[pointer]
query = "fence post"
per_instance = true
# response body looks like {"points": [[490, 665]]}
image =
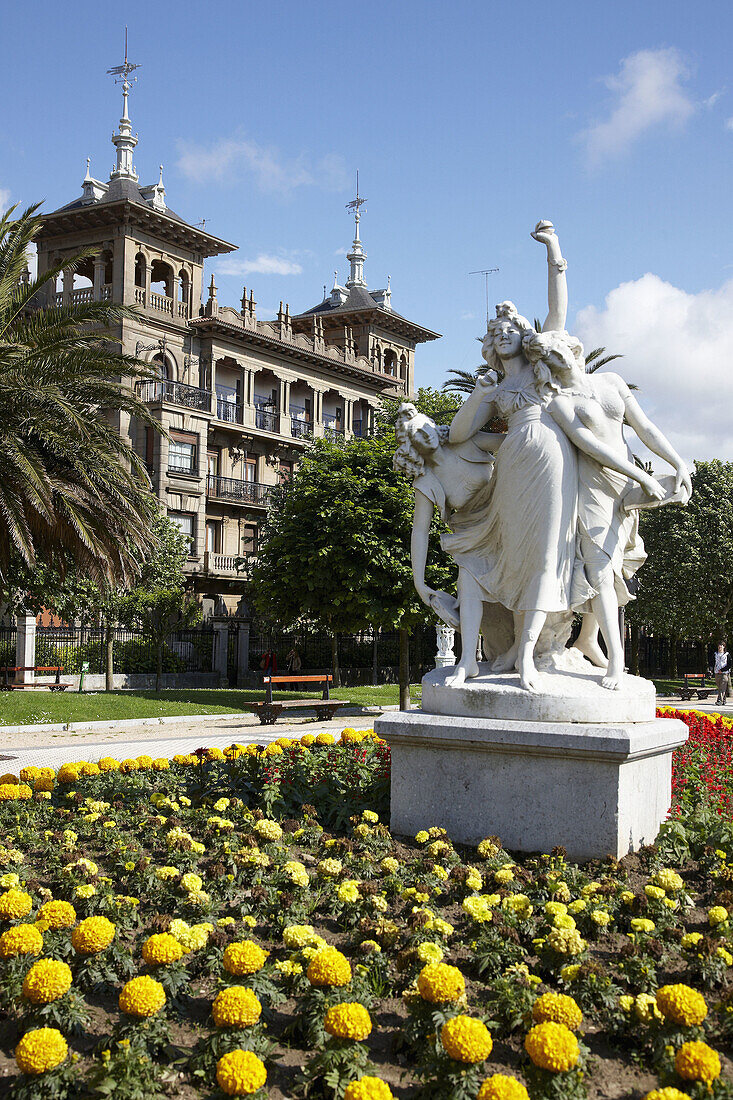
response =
{"points": [[25, 648], [221, 647], [243, 653]]}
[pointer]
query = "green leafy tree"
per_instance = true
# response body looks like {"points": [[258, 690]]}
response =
{"points": [[686, 585], [159, 604], [336, 546], [70, 487]]}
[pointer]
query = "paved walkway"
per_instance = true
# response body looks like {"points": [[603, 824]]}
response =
{"points": [[180, 737], [705, 705]]}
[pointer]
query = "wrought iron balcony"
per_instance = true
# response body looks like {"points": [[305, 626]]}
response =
{"points": [[243, 492], [175, 393], [229, 411], [301, 429], [266, 421]]}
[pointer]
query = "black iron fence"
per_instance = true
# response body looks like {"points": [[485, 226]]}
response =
{"points": [[132, 650]]}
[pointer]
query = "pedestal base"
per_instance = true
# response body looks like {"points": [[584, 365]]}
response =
{"points": [[594, 789]]}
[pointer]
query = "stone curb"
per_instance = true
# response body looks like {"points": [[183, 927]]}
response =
{"points": [[168, 719]]}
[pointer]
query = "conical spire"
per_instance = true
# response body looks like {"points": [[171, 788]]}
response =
{"points": [[124, 140], [357, 256]]}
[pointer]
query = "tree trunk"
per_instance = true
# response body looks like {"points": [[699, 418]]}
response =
{"points": [[634, 663], [375, 657], [109, 651], [158, 665], [673, 656], [404, 669], [335, 660]]}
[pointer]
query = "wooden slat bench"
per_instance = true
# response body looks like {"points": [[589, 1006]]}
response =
{"points": [[269, 710], [6, 684], [694, 684]]}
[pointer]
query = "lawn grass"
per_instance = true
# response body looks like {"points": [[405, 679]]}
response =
{"points": [[45, 707]]}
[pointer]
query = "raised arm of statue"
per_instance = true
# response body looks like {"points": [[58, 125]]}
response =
{"points": [[557, 287], [475, 411]]}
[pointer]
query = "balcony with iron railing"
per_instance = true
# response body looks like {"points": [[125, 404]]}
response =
{"points": [[266, 419], [175, 393], [240, 492]]}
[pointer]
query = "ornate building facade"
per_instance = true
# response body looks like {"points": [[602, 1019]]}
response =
{"points": [[240, 398]]}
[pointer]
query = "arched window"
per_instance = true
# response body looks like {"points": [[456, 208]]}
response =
{"points": [[164, 366], [403, 366], [183, 286], [161, 278], [140, 266], [107, 256], [390, 362], [84, 275]]}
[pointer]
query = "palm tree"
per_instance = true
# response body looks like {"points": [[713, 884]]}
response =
{"points": [[70, 486]]}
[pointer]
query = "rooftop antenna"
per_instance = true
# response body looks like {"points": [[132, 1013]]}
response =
{"points": [[123, 71], [486, 272]]}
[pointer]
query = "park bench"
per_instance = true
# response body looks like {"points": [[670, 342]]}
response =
{"points": [[7, 685], [269, 710], [694, 684]]}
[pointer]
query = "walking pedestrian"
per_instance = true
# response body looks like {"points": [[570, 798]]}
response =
{"points": [[721, 669]]}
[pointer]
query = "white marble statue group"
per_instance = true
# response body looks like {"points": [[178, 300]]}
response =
{"points": [[543, 517]]}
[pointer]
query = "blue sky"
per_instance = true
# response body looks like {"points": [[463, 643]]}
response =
{"points": [[468, 122]]}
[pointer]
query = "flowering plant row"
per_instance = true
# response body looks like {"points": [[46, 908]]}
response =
{"points": [[242, 923]]}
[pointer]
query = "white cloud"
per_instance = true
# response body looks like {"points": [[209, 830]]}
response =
{"points": [[468, 316], [647, 92], [230, 159], [4, 198], [729, 124], [32, 257], [678, 348], [264, 265]]}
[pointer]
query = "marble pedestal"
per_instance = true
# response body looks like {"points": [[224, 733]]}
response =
{"points": [[596, 788]]}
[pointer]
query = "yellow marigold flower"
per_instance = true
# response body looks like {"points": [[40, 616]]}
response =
{"points": [[570, 972], [502, 1087], [41, 1050], [329, 967], [566, 941], [21, 939], [668, 880], [236, 1007], [68, 773], [552, 1047], [15, 904], [297, 936], [307, 740], [93, 935], [559, 1008], [273, 750], [429, 952], [681, 1004], [160, 764], [244, 957], [329, 867], [690, 940], [697, 1061], [88, 768], [296, 872], [268, 830], [108, 764], [645, 1008], [487, 849], [466, 1040], [368, 1088], [348, 892], [161, 949], [440, 983], [325, 739], [348, 1020], [503, 875], [717, 915], [642, 924], [14, 792], [656, 893], [44, 784], [191, 882], [129, 765], [46, 981], [142, 997], [670, 1093], [240, 1072]]}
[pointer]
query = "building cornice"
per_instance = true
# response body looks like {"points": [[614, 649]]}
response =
{"points": [[125, 212], [213, 326]]}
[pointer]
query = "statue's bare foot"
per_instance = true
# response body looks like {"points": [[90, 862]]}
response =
{"points": [[613, 680], [528, 675], [592, 651], [505, 661], [462, 673]]}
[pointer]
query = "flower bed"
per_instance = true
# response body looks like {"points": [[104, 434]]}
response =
{"points": [[242, 923]]}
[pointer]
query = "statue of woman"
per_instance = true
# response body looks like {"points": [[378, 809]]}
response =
{"points": [[455, 479], [591, 409], [528, 538]]}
